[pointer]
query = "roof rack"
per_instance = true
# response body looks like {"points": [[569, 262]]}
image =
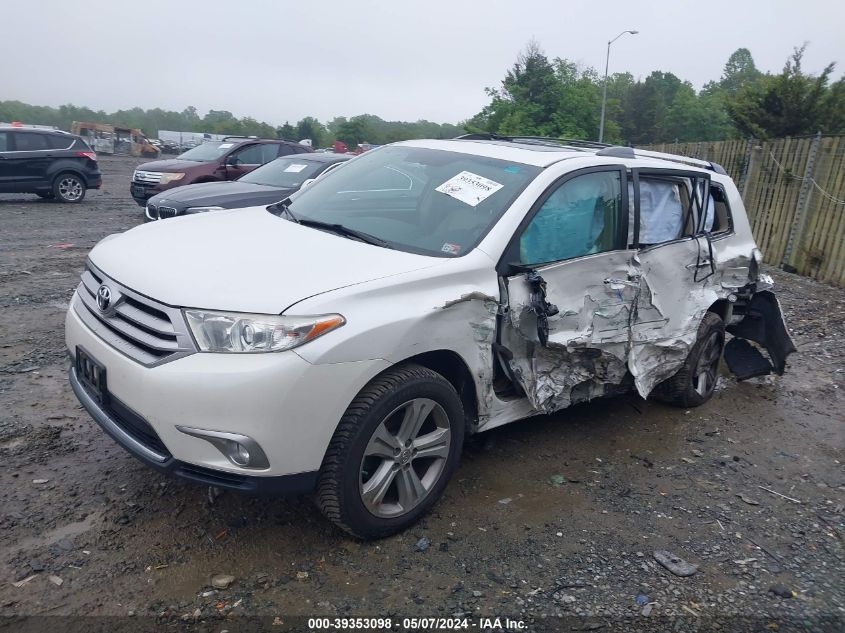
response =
{"points": [[548, 141], [605, 149]]}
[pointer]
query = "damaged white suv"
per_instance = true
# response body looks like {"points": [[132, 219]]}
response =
{"points": [[346, 341]]}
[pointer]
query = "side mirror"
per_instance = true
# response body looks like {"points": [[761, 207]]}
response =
{"points": [[307, 182], [233, 161]]}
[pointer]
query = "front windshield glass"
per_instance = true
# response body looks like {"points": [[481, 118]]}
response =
{"points": [[206, 152], [288, 172], [427, 201]]}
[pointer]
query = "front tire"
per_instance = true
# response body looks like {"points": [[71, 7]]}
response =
{"points": [[69, 188], [393, 453], [695, 382]]}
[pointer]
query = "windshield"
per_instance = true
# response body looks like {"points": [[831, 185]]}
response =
{"points": [[425, 201], [288, 173], [206, 151]]}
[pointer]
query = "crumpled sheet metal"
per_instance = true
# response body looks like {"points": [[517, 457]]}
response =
{"points": [[651, 337]]}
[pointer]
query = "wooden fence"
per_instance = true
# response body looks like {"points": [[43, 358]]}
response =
{"points": [[794, 192]]}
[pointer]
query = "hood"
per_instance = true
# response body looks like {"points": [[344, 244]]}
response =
{"points": [[245, 260], [227, 194], [169, 164]]}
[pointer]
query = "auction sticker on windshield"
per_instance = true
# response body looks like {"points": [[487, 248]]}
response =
{"points": [[469, 188], [295, 167]]}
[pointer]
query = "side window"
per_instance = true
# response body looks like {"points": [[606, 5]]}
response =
{"points": [[286, 150], [4, 142], [662, 205], [57, 141], [582, 216], [718, 218], [253, 155], [31, 142]]}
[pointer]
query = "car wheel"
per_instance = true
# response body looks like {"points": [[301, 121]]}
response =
{"points": [[68, 188], [695, 382], [46, 195], [393, 453]]}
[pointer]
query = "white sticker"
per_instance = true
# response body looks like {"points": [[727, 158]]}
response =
{"points": [[225, 145], [469, 188], [295, 167]]}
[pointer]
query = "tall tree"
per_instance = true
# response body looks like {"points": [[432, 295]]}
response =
{"points": [[739, 71], [789, 104]]}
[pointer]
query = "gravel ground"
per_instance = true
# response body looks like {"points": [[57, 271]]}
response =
{"points": [[553, 522]]}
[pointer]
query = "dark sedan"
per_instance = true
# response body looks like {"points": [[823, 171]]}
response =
{"points": [[265, 185]]}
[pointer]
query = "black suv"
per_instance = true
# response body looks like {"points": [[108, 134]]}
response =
{"points": [[49, 163], [213, 161]]}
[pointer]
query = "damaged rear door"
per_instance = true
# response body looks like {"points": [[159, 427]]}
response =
{"points": [[676, 270], [567, 292]]}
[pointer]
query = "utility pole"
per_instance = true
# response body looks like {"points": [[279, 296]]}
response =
{"points": [[604, 91]]}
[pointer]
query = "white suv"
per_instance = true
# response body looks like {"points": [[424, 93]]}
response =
{"points": [[345, 342]]}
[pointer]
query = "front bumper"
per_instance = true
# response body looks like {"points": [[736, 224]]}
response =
{"points": [[113, 424], [287, 405]]}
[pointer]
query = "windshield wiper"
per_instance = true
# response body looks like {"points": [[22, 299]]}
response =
{"points": [[283, 208], [346, 231]]}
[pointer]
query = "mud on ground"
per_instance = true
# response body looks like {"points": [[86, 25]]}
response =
{"points": [[556, 516]]}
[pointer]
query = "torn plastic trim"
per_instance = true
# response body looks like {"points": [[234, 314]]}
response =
{"points": [[762, 323]]}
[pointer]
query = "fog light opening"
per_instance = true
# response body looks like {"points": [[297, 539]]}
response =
{"points": [[240, 450], [238, 453]]}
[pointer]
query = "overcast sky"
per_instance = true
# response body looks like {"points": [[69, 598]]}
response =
{"points": [[277, 60]]}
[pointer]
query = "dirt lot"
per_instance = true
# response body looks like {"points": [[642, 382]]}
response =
{"points": [[557, 517]]}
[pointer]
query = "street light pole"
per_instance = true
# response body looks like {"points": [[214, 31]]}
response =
{"points": [[604, 91]]}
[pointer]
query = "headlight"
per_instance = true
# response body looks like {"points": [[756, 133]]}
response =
{"points": [[248, 333], [202, 209], [168, 178]]}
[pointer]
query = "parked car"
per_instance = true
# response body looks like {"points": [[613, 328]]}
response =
{"points": [[344, 343], [51, 164], [269, 183], [213, 161]]}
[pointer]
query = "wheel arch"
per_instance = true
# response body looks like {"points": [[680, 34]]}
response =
{"points": [[67, 169], [722, 308], [454, 369]]}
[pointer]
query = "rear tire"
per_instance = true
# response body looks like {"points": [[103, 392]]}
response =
{"points": [[69, 188], [393, 453], [695, 382]]}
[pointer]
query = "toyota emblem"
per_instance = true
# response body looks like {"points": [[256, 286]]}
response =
{"points": [[103, 297]]}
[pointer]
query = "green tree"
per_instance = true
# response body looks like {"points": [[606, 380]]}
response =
{"points": [[287, 131], [739, 71], [309, 127], [790, 104]]}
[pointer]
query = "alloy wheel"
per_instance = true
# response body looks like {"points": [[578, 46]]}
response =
{"points": [[707, 368], [405, 458], [70, 189]]}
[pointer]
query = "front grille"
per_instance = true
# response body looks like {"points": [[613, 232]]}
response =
{"points": [[152, 177], [145, 330], [166, 212]]}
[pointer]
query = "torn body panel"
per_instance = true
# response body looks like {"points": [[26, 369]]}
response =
{"points": [[585, 354], [627, 315], [762, 323]]}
